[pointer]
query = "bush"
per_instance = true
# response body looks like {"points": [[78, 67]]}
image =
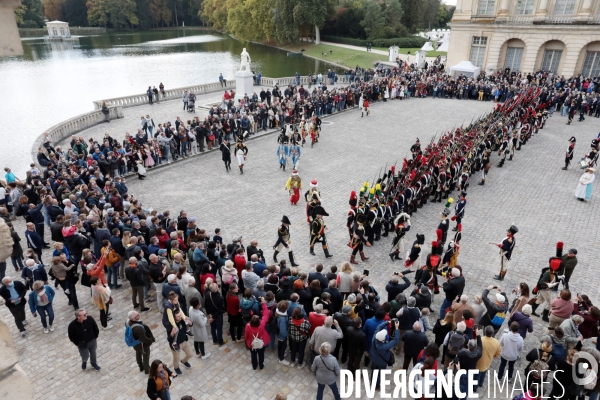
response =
{"points": [[403, 42], [29, 24]]}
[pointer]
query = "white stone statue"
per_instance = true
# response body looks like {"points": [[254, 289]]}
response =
{"points": [[245, 61]]}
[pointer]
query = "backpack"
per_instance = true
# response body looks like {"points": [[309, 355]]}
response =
{"points": [[456, 342], [257, 343], [499, 318], [558, 350], [246, 314], [539, 367], [130, 340]]}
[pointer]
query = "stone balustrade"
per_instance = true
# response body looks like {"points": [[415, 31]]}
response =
{"points": [[73, 125], [177, 93]]}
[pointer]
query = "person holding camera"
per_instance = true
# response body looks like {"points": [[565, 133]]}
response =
{"points": [[381, 348], [496, 311]]}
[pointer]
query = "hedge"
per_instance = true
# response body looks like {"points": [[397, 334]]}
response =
{"points": [[403, 42]]}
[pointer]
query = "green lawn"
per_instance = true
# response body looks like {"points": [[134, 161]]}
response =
{"points": [[338, 55], [403, 50]]}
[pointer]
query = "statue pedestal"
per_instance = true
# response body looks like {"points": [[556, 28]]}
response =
{"points": [[244, 84]]}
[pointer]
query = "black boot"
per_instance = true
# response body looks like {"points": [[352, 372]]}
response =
{"points": [[482, 182], [275, 256], [291, 254], [500, 276], [534, 307], [326, 251], [510, 159], [545, 316], [284, 167], [312, 251], [392, 256], [397, 256]]}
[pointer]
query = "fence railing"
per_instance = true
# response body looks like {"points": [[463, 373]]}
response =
{"points": [[177, 93], [74, 125], [560, 19], [518, 20]]}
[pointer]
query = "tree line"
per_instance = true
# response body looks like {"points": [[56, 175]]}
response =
{"points": [[256, 20]]}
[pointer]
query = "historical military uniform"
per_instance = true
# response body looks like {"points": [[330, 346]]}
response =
{"points": [[293, 186], [414, 255], [352, 212], [451, 255], [442, 229], [282, 153], [506, 248], [294, 153], [317, 231], [284, 241], [371, 225], [485, 165], [503, 151], [513, 145], [358, 239], [401, 226], [569, 154], [415, 149], [459, 210], [427, 275], [549, 278], [313, 199]]}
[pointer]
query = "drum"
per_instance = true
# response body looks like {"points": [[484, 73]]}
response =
{"points": [[584, 163]]}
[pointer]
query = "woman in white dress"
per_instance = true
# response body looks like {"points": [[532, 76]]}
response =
{"points": [[240, 153], [394, 91], [401, 92], [584, 189]]}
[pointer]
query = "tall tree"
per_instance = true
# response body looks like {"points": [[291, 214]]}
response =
{"points": [[412, 17], [30, 13], [75, 12], [97, 12], [431, 10], [122, 13], [143, 14], [161, 14], [374, 21], [286, 30], [53, 9], [313, 12], [250, 19], [214, 13], [393, 16]]}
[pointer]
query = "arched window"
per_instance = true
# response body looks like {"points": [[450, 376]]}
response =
{"points": [[564, 7], [486, 7], [525, 7], [551, 60], [591, 64]]}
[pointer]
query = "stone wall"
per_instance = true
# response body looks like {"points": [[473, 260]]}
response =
{"points": [[14, 383], [73, 125], [39, 32]]}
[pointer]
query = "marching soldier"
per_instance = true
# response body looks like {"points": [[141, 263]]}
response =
{"points": [[451, 255], [506, 249], [549, 278], [486, 165], [317, 231], [358, 239], [569, 154], [513, 145], [372, 221], [503, 151], [463, 185], [459, 210], [313, 199], [293, 186], [295, 153], [442, 229], [441, 185], [428, 274], [241, 151], [415, 149], [282, 154], [414, 257], [284, 241], [402, 225], [352, 212]]}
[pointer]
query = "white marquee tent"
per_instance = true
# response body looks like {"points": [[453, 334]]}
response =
{"points": [[465, 68], [427, 47]]}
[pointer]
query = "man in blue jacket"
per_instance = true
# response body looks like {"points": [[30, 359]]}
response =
{"points": [[34, 241], [370, 328], [35, 212], [380, 352]]}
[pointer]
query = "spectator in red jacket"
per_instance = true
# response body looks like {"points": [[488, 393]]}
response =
{"points": [[316, 318], [236, 323], [162, 237], [255, 333]]}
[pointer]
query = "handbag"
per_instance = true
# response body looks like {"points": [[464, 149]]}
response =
{"points": [[110, 300]]}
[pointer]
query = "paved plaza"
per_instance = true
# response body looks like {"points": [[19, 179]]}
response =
{"points": [[531, 192]]}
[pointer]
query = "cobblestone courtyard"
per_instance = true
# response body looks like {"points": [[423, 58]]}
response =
{"points": [[531, 192]]}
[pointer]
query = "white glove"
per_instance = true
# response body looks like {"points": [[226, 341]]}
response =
{"points": [[561, 277], [551, 285]]}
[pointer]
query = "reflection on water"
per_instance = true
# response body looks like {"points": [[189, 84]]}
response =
{"points": [[54, 81]]}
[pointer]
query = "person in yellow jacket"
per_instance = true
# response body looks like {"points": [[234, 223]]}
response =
{"points": [[293, 186], [112, 264]]}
